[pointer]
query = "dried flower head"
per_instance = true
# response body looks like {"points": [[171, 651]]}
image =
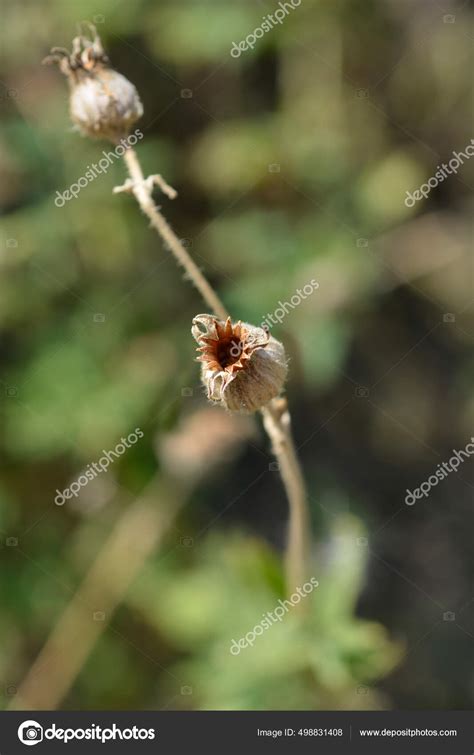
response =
{"points": [[103, 103], [243, 366]]}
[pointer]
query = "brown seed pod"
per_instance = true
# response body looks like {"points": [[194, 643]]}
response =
{"points": [[243, 366], [103, 103]]}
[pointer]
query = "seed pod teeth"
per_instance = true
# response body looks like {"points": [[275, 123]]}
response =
{"points": [[86, 55], [242, 366], [103, 103]]}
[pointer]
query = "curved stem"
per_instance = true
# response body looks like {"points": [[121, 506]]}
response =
{"points": [[276, 416], [277, 422], [142, 191]]}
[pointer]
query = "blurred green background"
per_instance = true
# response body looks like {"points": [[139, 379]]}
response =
{"points": [[292, 163]]}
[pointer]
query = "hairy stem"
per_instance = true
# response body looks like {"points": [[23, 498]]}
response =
{"points": [[277, 422], [142, 190], [276, 416]]}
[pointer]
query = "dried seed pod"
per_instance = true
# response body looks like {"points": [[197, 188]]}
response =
{"points": [[103, 103], [243, 366]]}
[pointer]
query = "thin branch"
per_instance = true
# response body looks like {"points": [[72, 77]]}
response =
{"points": [[276, 415], [277, 422], [86, 617], [142, 189]]}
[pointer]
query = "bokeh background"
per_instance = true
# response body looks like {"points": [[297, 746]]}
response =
{"points": [[292, 162]]}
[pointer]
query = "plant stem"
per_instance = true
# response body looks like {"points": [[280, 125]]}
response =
{"points": [[142, 190], [277, 422], [134, 537], [276, 416]]}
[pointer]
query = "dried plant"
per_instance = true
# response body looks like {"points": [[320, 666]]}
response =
{"points": [[243, 367], [103, 103]]}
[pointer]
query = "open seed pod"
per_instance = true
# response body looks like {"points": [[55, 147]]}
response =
{"points": [[243, 366]]}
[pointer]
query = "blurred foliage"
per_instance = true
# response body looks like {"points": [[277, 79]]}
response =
{"points": [[319, 657], [292, 163]]}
